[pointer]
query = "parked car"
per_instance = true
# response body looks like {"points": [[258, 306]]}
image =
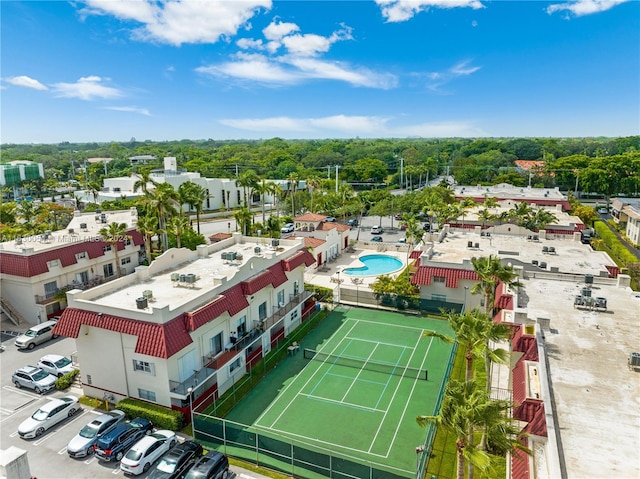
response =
{"points": [[82, 443], [287, 228], [48, 416], [376, 230], [402, 240], [403, 227], [175, 463], [213, 465], [56, 364], [36, 335], [398, 216], [426, 226], [147, 450], [113, 445], [603, 211], [353, 222], [376, 239], [34, 378], [330, 219]]}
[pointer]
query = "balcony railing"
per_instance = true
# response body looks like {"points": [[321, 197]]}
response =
{"points": [[198, 377], [281, 311], [52, 295]]}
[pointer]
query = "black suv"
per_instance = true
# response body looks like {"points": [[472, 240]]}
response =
{"points": [[213, 465], [113, 445], [177, 461]]}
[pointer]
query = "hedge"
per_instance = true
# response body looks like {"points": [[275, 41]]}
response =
{"points": [[65, 381], [161, 417], [614, 244]]}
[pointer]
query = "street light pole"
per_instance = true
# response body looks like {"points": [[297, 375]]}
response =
{"points": [[466, 288], [193, 431]]}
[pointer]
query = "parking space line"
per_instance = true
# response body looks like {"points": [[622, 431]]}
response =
{"points": [[116, 471], [63, 450], [54, 430], [90, 460]]}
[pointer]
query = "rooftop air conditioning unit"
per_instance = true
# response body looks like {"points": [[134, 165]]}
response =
{"points": [[275, 243], [231, 255], [71, 231], [190, 278], [224, 255], [175, 277], [19, 240], [83, 226], [257, 250], [141, 303], [148, 294]]}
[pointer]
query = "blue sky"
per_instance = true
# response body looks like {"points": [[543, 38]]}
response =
{"points": [[164, 70]]}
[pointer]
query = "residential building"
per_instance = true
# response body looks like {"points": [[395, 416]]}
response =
{"points": [[14, 172], [325, 239], [37, 269], [192, 322], [505, 191], [626, 211]]}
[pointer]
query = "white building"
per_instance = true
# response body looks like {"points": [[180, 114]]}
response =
{"points": [[627, 212], [326, 239], [35, 269], [191, 320]]}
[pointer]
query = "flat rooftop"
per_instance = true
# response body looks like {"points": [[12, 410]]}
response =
{"points": [[504, 190], [596, 396], [168, 276], [91, 224], [563, 218], [570, 256]]}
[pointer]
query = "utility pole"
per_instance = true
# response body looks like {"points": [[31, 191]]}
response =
{"points": [[337, 167], [328, 172], [236, 170], [401, 169]]}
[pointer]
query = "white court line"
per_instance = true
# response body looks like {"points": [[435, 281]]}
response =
{"points": [[404, 346], [406, 405], [355, 380], [303, 386], [379, 383], [393, 398], [342, 403], [392, 325]]}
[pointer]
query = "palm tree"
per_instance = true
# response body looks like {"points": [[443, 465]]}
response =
{"points": [[192, 194], [147, 226], [264, 188], [178, 225], [243, 219], [293, 180], [143, 181], [113, 234], [313, 183], [485, 215], [272, 226], [464, 206], [460, 415], [248, 180], [491, 271], [164, 200]]}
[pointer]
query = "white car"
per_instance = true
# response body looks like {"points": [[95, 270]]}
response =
{"points": [[56, 364], [48, 416], [147, 450], [288, 228], [376, 230]]}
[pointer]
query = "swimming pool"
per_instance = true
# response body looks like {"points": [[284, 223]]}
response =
{"points": [[374, 265]]}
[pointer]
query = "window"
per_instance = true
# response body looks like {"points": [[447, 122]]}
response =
{"points": [[106, 248], [126, 260], [242, 326], [216, 344], [82, 255], [108, 270], [281, 298], [128, 241], [54, 263], [143, 366], [235, 364], [262, 311], [439, 279], [50, 289], [296, 287], [148, 395], [439, 297], [82, 277]]}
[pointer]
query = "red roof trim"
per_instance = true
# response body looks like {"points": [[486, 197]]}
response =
{"points": [[520, 462], [301, 257], [425, 274], [158, 340]]}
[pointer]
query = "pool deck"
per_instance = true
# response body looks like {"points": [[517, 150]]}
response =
{"points": [[329, 279]]}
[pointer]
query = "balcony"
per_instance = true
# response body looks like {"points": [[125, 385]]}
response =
{"points": [[50, 297], [198, 377], [281, 311]]}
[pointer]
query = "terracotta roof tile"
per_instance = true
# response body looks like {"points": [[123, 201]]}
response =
{"points": [[520, 462], [313, 242], [310, 217], [219, 237], [425, 274], [158, 340], [301, 257]]}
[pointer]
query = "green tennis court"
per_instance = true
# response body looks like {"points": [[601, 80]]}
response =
{"points": [[359, 390]]}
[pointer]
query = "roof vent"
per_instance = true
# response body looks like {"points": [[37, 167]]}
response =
{"points": [[19, 240], [83, 226], [275, 243], [141, 303]]}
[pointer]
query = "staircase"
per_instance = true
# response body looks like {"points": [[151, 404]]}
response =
{"points": [[15, 317]]}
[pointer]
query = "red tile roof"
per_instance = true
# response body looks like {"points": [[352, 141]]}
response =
{"points": [[231, 301], [158, 340], [526, 344], [614, 271], [425, 274], [520, 468], [301, 257], [312, 242], [333, 226], [219, 237], [519, 386], [35, 264], [538, 424], [310, 217], [415, 254], [274, 276]]}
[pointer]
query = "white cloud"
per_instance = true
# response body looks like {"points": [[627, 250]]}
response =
{"points": [[254, 67], [403, 10], [362, 77], [250, 43], [177, 22], [276, 30], [131, 109], [86, 88], [460, 69], [584, 7], [26, 82], [349, 126]]}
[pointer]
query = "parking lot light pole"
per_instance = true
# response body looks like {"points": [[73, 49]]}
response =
{"points": [[193, 430]]}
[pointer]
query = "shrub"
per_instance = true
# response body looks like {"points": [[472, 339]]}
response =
{"points": [[614, 244], [67, 380], [161, 417]]}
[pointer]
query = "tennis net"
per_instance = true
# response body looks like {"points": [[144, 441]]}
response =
{"points": [[360, 363]]}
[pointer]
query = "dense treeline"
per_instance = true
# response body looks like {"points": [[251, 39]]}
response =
{"points": [[603, 165]]}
